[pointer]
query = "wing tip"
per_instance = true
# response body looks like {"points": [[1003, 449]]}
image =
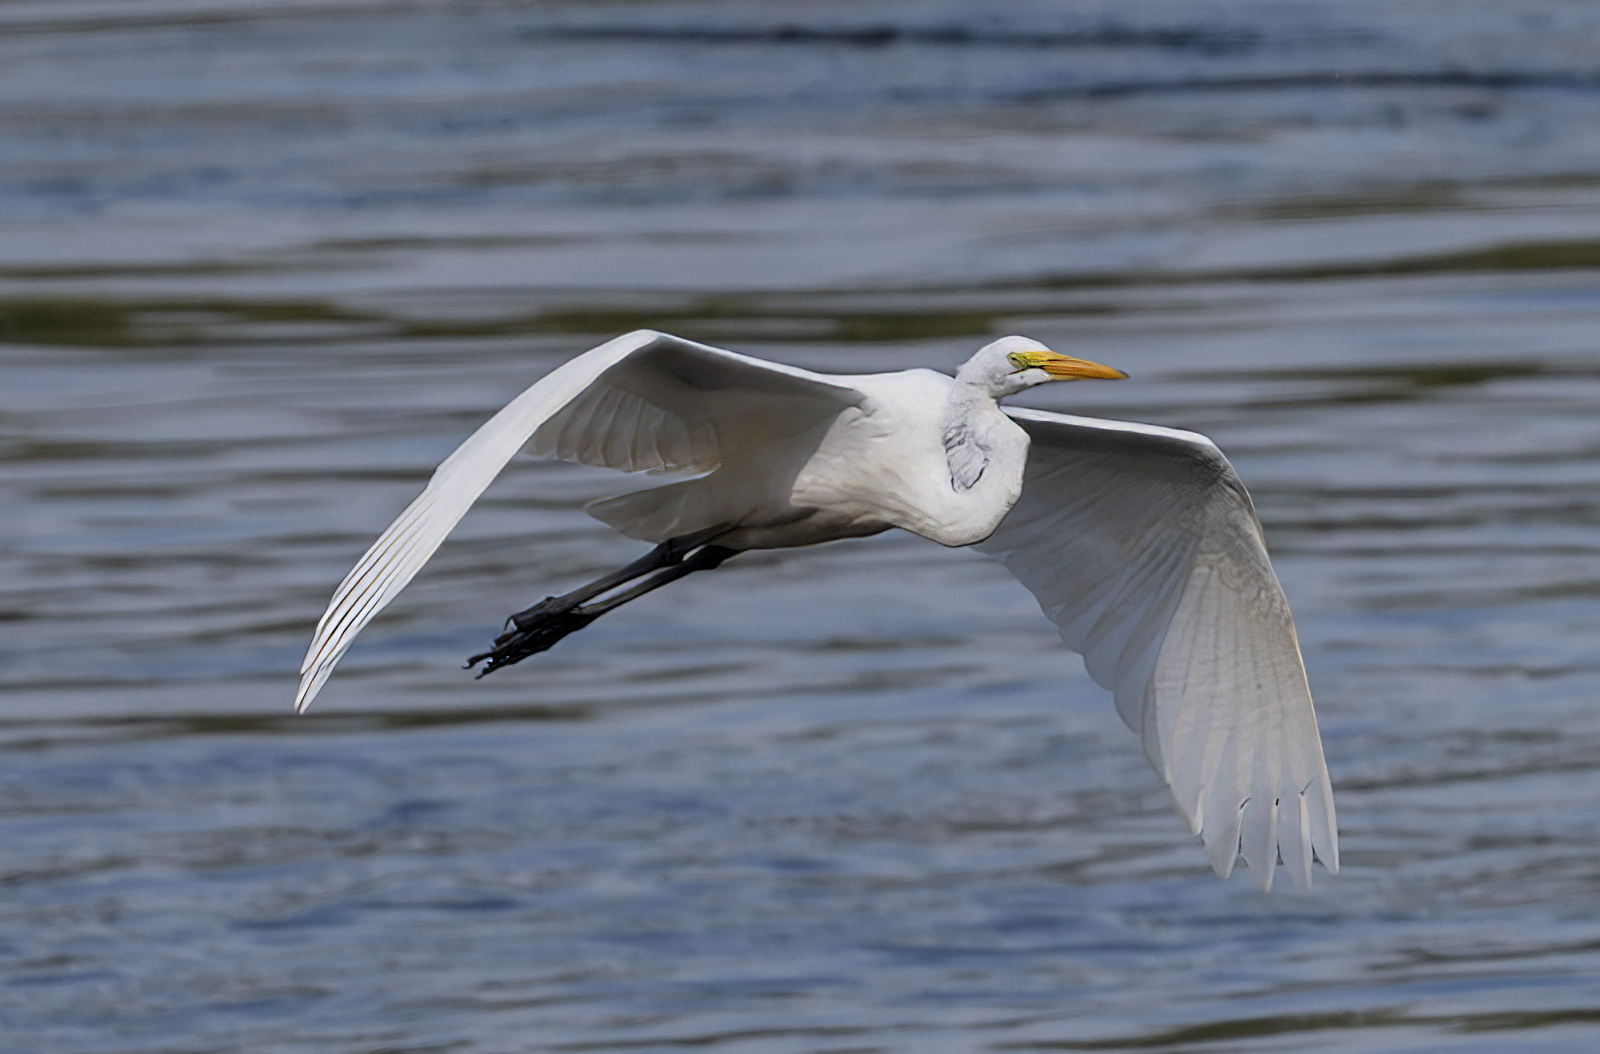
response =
{"points": [[1301, 875], [312, 678], [1327, 848], [1329, 858], [1217, 844]]}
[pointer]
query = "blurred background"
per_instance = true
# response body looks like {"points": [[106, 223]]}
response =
{"points": [[263, 264]]}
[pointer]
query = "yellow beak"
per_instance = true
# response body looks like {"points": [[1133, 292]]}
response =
{"points": [[1065, 367]]}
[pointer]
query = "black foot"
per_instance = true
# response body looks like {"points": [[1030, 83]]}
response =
{"points": [[534, 632], [544, 609]]}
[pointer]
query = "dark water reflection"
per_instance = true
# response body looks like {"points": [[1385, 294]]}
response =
{"points": [[267, 265]]}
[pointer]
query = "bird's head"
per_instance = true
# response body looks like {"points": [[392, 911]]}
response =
{"points": [[1013, 364]]}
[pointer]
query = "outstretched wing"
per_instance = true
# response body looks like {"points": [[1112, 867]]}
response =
{"points": [[1142, 546], [645, 401]]}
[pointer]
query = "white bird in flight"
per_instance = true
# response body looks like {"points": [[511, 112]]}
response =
{"points": [[1139, 541]]}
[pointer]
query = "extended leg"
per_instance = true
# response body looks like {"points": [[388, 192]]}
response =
{"points": [[667, 554], [541, 626]]}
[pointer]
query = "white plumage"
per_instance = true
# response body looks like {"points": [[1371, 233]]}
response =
{"points": [[1139, 542]]}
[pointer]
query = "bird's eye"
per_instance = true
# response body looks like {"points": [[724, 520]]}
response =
{"points": [[1016, 358]]}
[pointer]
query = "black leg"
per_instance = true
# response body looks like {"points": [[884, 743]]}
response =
{"points": [[667, 554], [664, 555], [540, 627]]}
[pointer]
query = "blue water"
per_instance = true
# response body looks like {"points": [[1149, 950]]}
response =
{"points": [[262, 265]]}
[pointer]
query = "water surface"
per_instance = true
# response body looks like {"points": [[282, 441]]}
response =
{"points": [[269, 263]]}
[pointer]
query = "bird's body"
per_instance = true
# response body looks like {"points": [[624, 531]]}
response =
{"points": [[1139, 541], [879, 462]]}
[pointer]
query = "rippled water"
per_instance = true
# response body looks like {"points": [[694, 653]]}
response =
{"points": [[263, 264]]}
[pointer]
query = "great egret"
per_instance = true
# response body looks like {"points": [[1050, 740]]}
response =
{"points": [[1139, 542]]}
